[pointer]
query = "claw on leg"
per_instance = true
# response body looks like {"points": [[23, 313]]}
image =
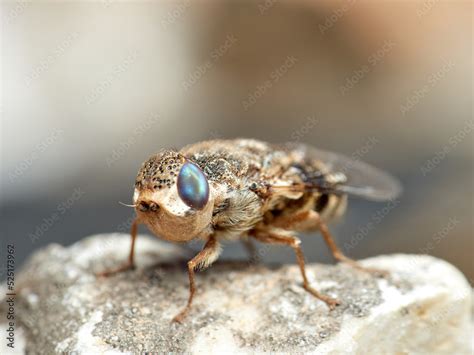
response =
{"points": [[124, 267], [332, 303], [179, 318]]}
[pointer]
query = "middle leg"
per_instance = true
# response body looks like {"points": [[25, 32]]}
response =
{"points": [[312, 218], [271, 237], [253, 257]]}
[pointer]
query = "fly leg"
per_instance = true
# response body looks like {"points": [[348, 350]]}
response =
{"points": [[130, 264], [253, 256], [294, 221], [271, 237], [339, 255], [312, 219], [202, 260]]}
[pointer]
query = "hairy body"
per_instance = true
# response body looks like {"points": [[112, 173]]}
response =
{"points": [[245, 188], [252, 182]]}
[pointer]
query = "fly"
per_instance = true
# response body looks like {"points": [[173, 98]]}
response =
{"points": [[245, 189]]}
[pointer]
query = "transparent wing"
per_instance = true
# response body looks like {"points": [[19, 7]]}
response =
{"points": [[361, 179]]}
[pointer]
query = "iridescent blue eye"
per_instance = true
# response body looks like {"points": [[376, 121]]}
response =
{"points": [[193, 187]]}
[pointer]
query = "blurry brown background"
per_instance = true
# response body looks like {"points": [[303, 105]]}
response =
{"points": [[91, 89]]}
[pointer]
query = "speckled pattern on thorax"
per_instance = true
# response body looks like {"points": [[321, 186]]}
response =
{"points": [[243, 172], [234, 162]]}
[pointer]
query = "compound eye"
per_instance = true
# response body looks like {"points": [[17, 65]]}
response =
{"points": [[193, 187]]}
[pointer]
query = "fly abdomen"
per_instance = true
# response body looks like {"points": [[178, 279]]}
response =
{"points": [[330, 206]]}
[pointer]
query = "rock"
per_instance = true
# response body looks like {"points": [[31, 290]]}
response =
{"points": [[424, 306]]}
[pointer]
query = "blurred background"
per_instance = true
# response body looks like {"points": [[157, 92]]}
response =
{"points": [[91, 89]]}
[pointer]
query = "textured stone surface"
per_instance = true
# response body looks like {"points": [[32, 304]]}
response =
{"points": [[423, 307]]}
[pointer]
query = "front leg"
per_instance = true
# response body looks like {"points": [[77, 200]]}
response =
{"points": [[202, 260], [130, 264]]}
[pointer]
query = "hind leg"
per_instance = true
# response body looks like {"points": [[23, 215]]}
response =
{"points": [[339, 255]]}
